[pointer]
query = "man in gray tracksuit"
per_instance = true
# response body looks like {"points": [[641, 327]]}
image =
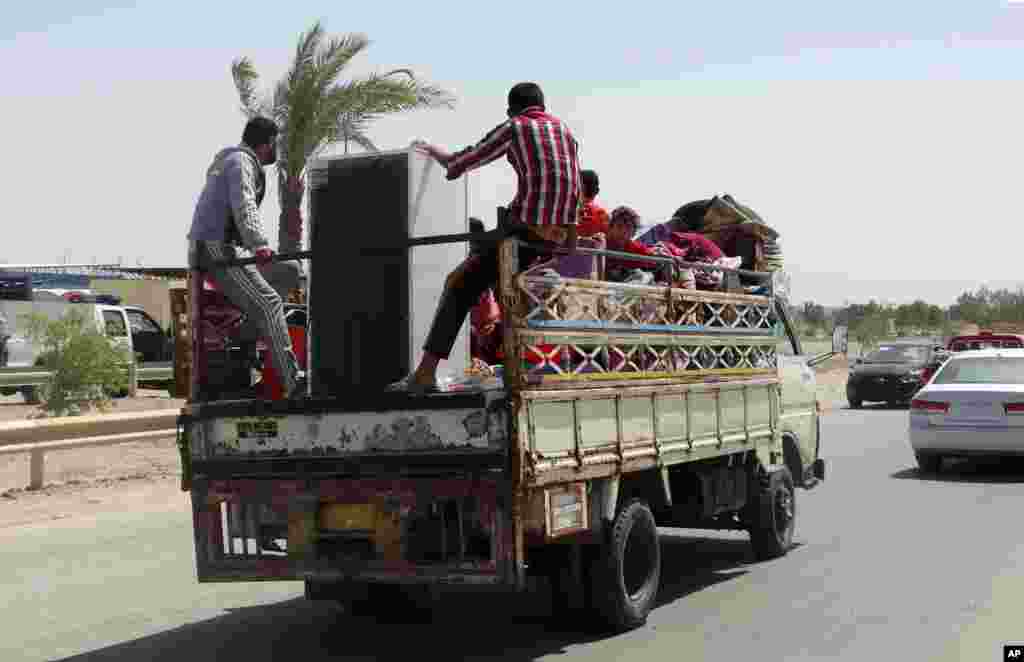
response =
{"points": [[227, 218]]}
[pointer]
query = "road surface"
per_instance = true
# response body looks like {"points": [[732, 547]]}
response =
{"points": [[888, 566]]}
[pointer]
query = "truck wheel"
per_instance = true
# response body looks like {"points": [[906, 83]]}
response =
{"points": [[31, 395], [774, 516], [791, 456], [389, 602], [928, 463], [626, 573], [317, 590]]}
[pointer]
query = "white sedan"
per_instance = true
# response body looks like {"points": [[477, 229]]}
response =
{"points": [[973, 405]]}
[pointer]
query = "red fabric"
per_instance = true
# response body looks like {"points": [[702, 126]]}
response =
{"points": [[696, 247], [593, 219], [629, 246], [486, 347], [272, 388], [487, 311], [543, 152]]}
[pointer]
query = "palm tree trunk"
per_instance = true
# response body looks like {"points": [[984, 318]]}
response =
{"points": [[289, 231]]}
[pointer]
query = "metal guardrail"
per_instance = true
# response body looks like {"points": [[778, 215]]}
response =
{"points": [[38, 437], [31, 376], [38, 450]]}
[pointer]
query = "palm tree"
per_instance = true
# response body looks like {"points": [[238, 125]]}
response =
{"points": [[314, 109]]}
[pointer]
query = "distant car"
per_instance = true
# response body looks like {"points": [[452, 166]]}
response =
{"points": [[892, 373], [986, 340], [974, 405], [939, 356]]}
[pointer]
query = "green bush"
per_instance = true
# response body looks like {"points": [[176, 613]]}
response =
{"points": [[87, 367]]}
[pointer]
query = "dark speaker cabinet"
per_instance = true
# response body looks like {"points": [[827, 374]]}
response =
{"points": [[369, 309]]}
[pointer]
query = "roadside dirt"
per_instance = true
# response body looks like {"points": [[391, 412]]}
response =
{"points": [[146, 475], [831, 377], [80, 482]]}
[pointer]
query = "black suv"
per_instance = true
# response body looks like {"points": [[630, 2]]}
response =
{"points": [[892, 373]]}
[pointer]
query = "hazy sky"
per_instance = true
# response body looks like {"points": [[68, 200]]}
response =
{"points": [[883, 142]]}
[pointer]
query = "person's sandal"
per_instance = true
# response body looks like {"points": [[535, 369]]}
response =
{"points": [[411, 387]]}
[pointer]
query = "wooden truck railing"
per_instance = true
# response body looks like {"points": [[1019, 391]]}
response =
{"points": [[578, 331]]}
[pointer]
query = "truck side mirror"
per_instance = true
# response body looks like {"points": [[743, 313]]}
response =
{"points": [[840, 343]]}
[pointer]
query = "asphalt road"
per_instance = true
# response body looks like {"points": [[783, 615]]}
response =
{"points": [[888, 567]]}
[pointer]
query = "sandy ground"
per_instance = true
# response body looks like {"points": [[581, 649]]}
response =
{"points": [[81, 482], [146, 476]]}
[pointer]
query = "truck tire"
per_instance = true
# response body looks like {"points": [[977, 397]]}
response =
{"points": [[318, 590], [626, 573], [393, 603], [791, 456], [774, 515], [928, 463]]}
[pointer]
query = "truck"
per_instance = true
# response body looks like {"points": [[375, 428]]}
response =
{"points": [[620, 408], [22, 351]]}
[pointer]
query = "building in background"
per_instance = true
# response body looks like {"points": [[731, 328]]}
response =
{"points": [[148, 288]]}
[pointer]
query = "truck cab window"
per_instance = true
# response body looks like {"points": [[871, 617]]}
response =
{"points": [[141, 323]]}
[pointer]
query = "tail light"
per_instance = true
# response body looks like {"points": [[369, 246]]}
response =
{"points": [[1013, 408], [929, 406]]}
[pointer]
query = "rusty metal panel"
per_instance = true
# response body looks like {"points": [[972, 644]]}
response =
{"points": [[345, 433], [247, 530]]}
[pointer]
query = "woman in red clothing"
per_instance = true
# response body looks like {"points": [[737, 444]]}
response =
{"points": [[621, 227]]}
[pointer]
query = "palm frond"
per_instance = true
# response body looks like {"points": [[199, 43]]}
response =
{"points": [[244, 74], [428, 95], [305, 52], [389, 93], [333, 58], [363, 141], [314, 107], [353, 127]]}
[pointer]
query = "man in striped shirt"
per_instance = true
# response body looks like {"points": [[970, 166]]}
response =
{"points": [[543, 152]]}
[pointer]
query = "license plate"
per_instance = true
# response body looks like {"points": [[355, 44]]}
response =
{"points": [[348, 516], [257, 428]]}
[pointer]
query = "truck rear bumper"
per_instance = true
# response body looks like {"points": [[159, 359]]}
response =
{"points": [[415, 531]]}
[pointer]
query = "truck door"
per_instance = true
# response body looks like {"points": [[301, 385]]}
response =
{"points": [[798, 406], [148, 338]]}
